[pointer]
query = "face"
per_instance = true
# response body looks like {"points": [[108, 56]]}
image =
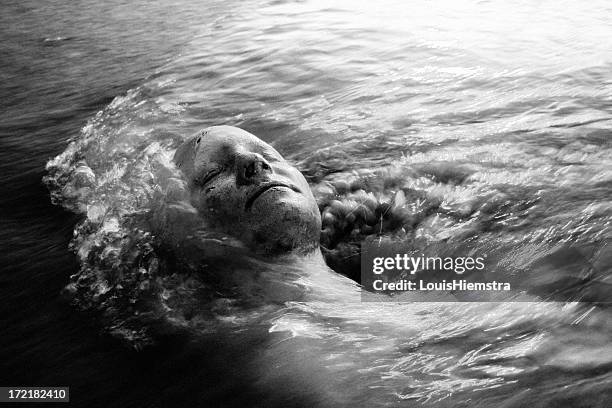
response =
{"points": [[243, 187]]}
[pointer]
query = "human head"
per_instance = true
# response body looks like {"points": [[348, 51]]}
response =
{"points": [[242, 186]]}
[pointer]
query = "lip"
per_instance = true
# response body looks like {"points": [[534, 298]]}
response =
{"points": [[262, 188]]}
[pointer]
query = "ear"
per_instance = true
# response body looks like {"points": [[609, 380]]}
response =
{"points": [[184, 156]]}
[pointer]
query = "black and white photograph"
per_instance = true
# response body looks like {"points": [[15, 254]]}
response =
{"points": [[306, 203]]}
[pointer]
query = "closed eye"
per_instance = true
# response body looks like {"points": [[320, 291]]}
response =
{"points": [[207, 177]]}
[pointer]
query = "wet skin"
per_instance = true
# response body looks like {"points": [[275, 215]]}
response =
{"points": [[242, 186]]}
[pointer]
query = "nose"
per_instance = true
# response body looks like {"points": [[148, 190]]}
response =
{"points": [[251, 167]]}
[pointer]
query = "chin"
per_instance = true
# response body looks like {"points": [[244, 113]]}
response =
{"points": [[286, 227]]}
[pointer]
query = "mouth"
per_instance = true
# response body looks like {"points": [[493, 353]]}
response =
{"points": [[265, 187]]}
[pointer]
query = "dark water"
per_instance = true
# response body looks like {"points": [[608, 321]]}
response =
{"points": [[485, 121]]}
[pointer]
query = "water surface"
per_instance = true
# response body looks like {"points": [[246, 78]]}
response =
{"points": [[481, 121]]}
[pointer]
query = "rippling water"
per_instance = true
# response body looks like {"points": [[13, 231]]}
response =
{"points": [[473, 121]]}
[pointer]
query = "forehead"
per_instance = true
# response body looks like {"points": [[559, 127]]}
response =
{"points": [[228, 137], [221, 141]]}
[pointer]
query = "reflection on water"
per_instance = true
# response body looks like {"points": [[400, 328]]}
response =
{"points": [[481, 121]]}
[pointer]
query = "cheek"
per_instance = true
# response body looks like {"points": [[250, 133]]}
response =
{"points": [[219, 198], [297, 178]]}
